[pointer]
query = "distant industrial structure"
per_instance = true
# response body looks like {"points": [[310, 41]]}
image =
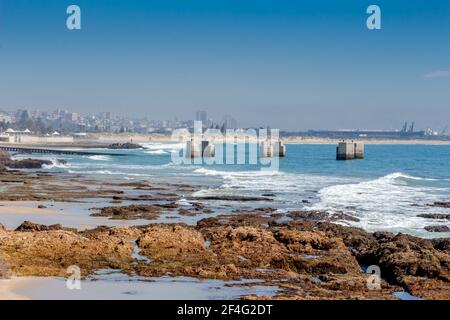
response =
{"points": [[406, 132]]}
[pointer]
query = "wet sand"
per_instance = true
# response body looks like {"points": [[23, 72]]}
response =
{"points": [[8, 288]]}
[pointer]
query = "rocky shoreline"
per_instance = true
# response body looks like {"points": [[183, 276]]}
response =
{"points": [[307, 259], [307, 254]]}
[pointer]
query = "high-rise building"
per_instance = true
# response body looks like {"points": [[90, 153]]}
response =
{"points": [[202, 116], [229, 122]]}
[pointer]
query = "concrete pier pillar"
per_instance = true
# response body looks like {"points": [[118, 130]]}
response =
{"points": [[265, 149], [349, 150], [272, 149], [279, 148], [359, 150], [199, 149]]}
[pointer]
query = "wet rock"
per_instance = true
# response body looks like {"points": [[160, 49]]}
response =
{"points": [[434, 216], [131, 212], [442, 244], [236, 220], [28, 226], [175, 249], [41, 206], [320, 216], [232, 198], [408, 260], [186, 212], [126, 145], [440, 204], [50, 253], [268, 195], [140, 198], [437, 228], [27, 163], [261, 210]]}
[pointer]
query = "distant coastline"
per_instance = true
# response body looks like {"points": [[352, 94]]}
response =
{"points": [[99, 140]]}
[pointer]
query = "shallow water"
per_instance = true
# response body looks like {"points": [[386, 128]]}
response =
{"points": [[107, 284]]}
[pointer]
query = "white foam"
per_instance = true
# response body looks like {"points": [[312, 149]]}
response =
{"points": [[385, 203], [100, 158]]}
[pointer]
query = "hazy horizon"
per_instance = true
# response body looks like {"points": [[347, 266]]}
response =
{"points": [[293, 66]]}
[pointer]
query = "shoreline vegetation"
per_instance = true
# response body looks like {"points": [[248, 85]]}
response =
{"points": [[306, 254]]}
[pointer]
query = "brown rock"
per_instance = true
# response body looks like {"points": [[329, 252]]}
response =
{"points": [[131, 212], [434, 216], [28, 226], [437, 228]]}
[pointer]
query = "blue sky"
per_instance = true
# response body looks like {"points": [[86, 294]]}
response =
{"points": [[288, 64]]}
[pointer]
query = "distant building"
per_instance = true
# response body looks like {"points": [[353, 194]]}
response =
{"points": [[202, 116], [229, 122]]}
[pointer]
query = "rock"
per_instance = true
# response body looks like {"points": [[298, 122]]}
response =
{"points": [[28, 226], [434, 216], [442, 244], [131, 212], [408, 260], [440, 204], [437, 228], [4, 156], [27, 163], [306, 259], [50, 253], [41, 206], [5, 270], [232, 198], [268, 195], [320, 216], [126, 145], [2, 228]]}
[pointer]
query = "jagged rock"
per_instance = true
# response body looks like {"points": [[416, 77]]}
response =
{"points": [[232, 198], [50, 253], [440, 204], [434, 216], [126, 145], [437, 228], [321, 216], [28, 226], [131, 212], [27, 163]]}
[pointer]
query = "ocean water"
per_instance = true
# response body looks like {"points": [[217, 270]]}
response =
{"points": [[386, 190]]}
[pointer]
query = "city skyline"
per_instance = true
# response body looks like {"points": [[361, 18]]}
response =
{"points": [[294, 66]]}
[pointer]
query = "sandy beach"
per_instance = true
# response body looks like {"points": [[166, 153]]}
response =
{"points": [[8, 287], [103, 140]]}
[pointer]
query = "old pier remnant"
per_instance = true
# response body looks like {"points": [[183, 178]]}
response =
{"points": [[200, 149], [350, 150], [272, 149]]}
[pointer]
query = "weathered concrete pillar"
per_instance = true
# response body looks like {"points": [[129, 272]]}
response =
{"points": [[350, 150], [272, 149], [345, 151], [266, 149], [199, 149], [279, 148], [359, 150]]}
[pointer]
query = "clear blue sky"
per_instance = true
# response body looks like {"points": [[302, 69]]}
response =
{"points": [[289, 64]]}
